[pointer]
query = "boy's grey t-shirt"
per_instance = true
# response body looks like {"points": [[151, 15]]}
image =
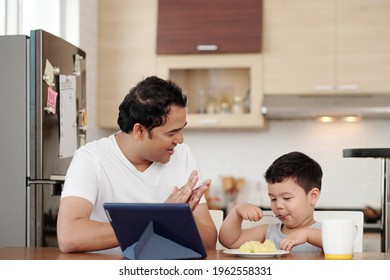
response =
{"points": [[275, 235]]}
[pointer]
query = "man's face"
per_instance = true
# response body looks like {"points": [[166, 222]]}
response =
{"points": [[159, 146]]}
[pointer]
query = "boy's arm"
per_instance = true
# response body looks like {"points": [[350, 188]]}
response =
{"points": [[231, 234], [230, 230], [310, 235]]}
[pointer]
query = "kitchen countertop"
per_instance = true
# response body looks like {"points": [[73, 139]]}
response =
{"points": [[367, 152]]}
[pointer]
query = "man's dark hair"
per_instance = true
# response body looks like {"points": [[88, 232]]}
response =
{"points": [[306, 172], [148, 103]]}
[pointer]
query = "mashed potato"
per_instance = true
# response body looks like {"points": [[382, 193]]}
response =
{"points": [[257, 247]]}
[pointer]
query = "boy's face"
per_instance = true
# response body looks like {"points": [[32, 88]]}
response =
{"points": [[292, 204]]}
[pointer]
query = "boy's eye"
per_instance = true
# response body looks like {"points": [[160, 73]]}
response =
{"points": [[287, 198]]}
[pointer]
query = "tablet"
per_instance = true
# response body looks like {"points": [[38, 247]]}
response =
{"points": [[173, 222]]}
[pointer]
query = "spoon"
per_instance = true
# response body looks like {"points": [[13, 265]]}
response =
{"points": [[273, 216]]}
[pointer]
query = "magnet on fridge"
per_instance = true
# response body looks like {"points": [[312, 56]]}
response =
{"points": [[76, 64], [82, 118], [51, 103], [48, 75]]}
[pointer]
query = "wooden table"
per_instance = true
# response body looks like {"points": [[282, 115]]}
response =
{"points": [[52, 253]]}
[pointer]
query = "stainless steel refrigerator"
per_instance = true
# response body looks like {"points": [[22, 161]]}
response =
{"points": [[42, 122]]}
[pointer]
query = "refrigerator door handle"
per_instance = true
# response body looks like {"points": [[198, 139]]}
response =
{"points": [[48, 182], [54, 180]]}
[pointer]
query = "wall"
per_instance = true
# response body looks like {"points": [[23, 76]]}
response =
{"points": [[89, 43], [348, 182]]}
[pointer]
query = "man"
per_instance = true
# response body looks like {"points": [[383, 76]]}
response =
{"points": [[145, 161]]}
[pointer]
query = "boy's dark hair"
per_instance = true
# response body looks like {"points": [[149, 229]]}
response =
{"points": [[306, 172], [148, 103]]}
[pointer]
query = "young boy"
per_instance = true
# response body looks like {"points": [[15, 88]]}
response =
{"points": [[294, 185]]}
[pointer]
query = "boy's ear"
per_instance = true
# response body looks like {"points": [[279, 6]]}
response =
{"points": [[314, 195]]}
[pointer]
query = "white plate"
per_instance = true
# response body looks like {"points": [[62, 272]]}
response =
{"points": [[255, 255]]}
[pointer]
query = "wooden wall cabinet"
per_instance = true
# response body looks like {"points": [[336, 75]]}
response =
{"points": [[127, 54], [204, 26], [363, 46], [339, 46], [212, 50], [225, 79]]}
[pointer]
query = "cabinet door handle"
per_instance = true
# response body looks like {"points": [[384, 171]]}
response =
{"points": [[349, 87], [322, 88], [207, 48], [208, 121]]}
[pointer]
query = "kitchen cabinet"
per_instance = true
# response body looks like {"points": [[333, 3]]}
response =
{"points": [[363, 46], [224, 91], [339, 46], [212, 50], [204, 26], [127, 54], [217, 26]]}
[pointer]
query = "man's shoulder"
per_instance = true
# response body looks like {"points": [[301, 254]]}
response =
{"points": [[97, 146]]}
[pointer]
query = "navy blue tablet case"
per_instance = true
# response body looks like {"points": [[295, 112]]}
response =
{"points": [[152, 231]]}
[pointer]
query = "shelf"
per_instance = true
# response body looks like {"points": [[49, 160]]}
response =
{"points": [[224, 91]]}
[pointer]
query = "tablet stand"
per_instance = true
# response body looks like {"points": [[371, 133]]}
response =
{"points": [[152, 246]]}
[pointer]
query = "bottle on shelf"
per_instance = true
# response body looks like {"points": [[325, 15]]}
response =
{"points": [[202, 102], [238, 105]]}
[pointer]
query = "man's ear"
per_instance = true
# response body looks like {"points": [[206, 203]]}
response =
{"points": [[138, 131], [314, 195]]}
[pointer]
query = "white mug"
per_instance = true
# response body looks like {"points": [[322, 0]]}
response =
{"points": [[338, 238]]}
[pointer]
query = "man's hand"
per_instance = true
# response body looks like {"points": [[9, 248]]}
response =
{"points": [[189, 193], [197, 194]]}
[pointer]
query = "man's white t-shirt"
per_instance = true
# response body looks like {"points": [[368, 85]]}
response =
{"points": [[99, 172]]}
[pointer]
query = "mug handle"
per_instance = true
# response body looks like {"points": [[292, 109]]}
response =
{"points": [[356, 234]]}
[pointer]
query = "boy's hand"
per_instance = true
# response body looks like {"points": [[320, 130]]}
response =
{"points": [[300, 236], [295, 238], [249, 212]]}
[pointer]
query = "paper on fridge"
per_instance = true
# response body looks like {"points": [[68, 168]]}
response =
{"points": [[68, 116]]}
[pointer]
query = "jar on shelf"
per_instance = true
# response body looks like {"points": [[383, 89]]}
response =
{"points": [[238, 106], [211, 102], [224, 108]]}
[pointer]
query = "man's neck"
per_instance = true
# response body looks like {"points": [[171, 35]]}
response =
{"points": [[129, 147]]}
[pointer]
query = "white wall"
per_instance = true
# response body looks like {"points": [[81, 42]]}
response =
{"points": [[347, 182]]}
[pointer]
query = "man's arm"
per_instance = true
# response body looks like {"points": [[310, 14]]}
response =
{"points": [[205, 224], [192, 195], [77, 233]]}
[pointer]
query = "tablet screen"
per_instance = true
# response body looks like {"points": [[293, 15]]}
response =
{"points": [[173, 221]]}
